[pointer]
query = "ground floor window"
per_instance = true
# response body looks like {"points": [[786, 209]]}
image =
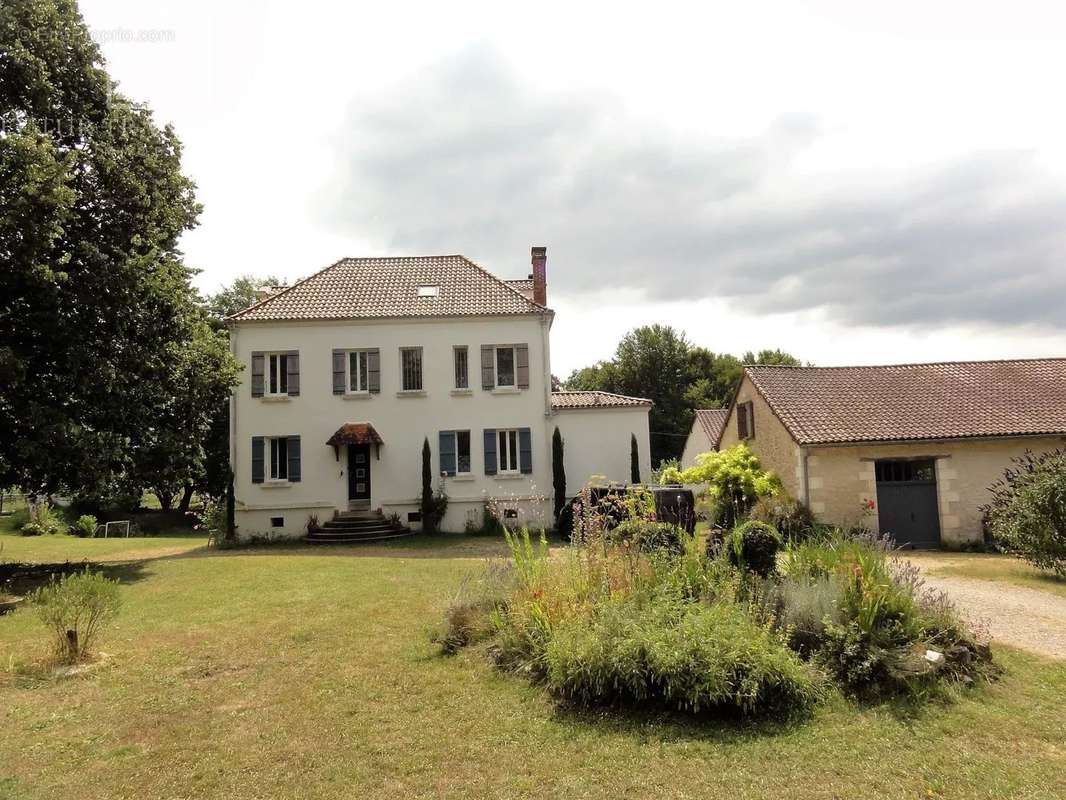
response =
{"points": [[455, 452], [508, 450], [279, 459]]}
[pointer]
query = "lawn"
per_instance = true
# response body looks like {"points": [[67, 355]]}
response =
{"points": [[302, 672], [989, 567], [61, 547]]}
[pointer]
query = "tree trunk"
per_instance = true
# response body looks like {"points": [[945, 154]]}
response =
{"points": [[186, 499], [166, 499]]}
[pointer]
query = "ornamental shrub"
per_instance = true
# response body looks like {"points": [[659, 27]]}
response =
{"points": [[866, 617], [753, 546], [649, 537], [676, 653], [85, 526], [43, 519], [734, 480], [76, 609], [788, 516], [1027, 512], [468, 617]]}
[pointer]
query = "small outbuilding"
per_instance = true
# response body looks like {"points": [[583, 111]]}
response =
{"points": [[909, 450]]}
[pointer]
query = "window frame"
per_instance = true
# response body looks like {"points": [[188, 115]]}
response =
{"points": [[465, 350], [505, 453], [274, 461], [514, 366], [276, 374], [362, 370], [421, 370]]}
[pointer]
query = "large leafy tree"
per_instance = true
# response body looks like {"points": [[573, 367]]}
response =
{"points": [[658, 362], [95, 301], [179, 452]]}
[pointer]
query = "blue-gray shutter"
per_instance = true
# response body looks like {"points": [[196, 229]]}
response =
{"points": [[294, 459], [488, 366], [257, 459], [525, 451], [338, 371], [522, 366], [447, 452], [490, 451], [257, 374], [373, 370], [292, 367]]}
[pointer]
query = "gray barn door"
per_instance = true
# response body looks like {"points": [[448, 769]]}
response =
{"points": [[906, 502]]}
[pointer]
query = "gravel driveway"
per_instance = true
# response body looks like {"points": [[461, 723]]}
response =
{"points": [[1015, 615]]}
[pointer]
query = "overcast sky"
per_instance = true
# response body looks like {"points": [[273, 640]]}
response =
{"points": [[852, 185]]}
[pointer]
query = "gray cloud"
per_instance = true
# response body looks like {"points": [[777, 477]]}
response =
{"points": [[468, 159]]}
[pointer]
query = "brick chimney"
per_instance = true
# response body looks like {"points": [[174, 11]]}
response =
{"points": [[540, 286]]}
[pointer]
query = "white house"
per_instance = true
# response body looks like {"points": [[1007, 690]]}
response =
{"points": [[348, 373], [706, 430]]}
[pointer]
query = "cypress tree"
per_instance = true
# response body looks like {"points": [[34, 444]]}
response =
{"points": [[558, 472], [634, 460]]}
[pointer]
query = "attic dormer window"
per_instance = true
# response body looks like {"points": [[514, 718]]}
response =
{"points": [[428, 291]]}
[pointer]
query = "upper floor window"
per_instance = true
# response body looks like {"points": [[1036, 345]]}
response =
{"points": [[275, 374], [411, 369], [462, 377], [277, 381], [358, 377], [505, 366]]}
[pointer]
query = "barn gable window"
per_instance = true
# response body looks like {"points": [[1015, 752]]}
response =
{"points": [[745, 421]]}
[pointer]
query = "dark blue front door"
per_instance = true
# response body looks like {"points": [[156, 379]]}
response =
{"points": [[359, 472]]}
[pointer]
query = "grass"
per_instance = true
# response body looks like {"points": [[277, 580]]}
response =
{"points": [[62, 547], [295, 671], [989, 567]]}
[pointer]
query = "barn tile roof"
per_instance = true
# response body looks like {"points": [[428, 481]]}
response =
{"points": [[358, 288], [562, 401], [712, 422], [913, 402]]}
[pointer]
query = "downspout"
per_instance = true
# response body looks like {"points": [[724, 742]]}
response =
{"points": [[804, 455], [233, 406], [545, 355]]}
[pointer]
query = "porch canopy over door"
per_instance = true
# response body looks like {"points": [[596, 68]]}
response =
{"points": [[355, 433]]}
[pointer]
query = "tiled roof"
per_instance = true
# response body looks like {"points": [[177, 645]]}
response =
{"points": [[357, 288], [910, 402], [523, 285], [711, 422], [562, 401]]}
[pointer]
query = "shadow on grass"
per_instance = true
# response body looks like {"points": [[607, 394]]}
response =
{"points": [[661, 724], [420, 545], [21, 579]]}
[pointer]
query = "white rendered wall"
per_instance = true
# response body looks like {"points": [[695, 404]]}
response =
{"points": [[597, 442], [402, 421]]}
